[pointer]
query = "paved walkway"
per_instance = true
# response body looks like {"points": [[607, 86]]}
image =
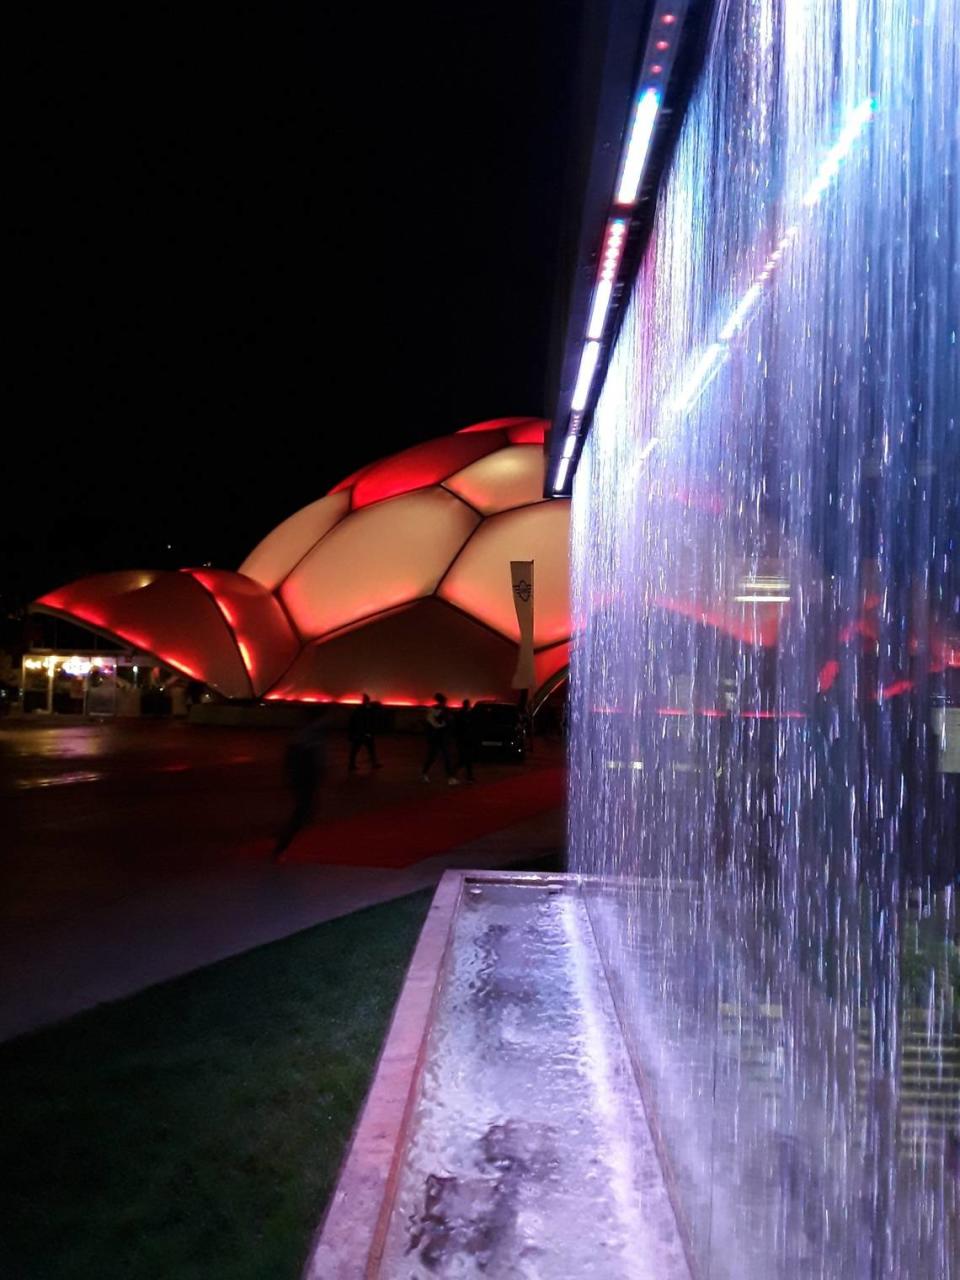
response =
{"points": [[136, 853]]}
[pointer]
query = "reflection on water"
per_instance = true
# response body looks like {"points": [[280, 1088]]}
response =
{"points": [[529, 1154], [57, 780], [767, 583]]}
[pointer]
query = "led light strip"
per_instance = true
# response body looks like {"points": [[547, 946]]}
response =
{"points": [[641, 133], [609, 268], [588, 367], [641, 126]]}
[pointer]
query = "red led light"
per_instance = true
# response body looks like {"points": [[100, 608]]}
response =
{"points": [[895, 689], [828, 675], [668, 19], [656, 69], [662, 45]]}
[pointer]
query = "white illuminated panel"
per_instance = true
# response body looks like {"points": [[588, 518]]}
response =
{"points": [[641, 131], [601, 305], [588, 366]]}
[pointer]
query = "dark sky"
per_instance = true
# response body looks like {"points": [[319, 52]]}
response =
{"points": [[258, 246]]}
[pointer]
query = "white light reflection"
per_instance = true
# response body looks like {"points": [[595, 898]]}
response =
{"points": [[711, 361]]}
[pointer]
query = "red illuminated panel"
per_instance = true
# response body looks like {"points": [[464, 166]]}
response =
{"points": [[500, 424], [167, 614], [92, 594], [532, 432], [262, 632], [479, 581], [351, 479], [271, 561], [403, 659], [508, 478], [423, 465], [382, 556]]}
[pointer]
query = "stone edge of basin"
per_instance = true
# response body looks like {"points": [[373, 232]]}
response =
{"points": [[349, 1242], [350, 1239]]}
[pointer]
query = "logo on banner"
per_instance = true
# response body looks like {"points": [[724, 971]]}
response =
{"points": [[521, 580]]}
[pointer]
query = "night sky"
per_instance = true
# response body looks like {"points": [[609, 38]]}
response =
{"points": [[259, 246]]}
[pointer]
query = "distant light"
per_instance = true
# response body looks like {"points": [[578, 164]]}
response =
{"points": [[78, 666], [668, 19], [656, 69], [662, 45], [569, 446], [762, 599], [588, 366], [644, 118], [561, 479]]}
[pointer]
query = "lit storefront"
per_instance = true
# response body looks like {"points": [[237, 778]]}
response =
{"points": [[91, 683]]}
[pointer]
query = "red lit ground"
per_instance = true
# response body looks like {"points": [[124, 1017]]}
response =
{"points": [[135, 852]]}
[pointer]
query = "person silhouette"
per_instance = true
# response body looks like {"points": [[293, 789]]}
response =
{"points": [[360, 731], [438, 739], [304, 765]]}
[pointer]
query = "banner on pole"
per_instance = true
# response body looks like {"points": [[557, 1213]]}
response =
{"points": [[521, 577]]}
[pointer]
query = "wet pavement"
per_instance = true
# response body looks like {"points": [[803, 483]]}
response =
{"points": [[135, 852]]}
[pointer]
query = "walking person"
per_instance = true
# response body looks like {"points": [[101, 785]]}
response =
{"points": [[360, 730], [438, 739], [464, 734], [304, 765]]}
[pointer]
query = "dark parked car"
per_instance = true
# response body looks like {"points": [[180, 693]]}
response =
{"points": [[500, 729]]}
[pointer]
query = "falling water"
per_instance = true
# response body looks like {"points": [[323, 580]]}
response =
{"points": [[767, 587]]}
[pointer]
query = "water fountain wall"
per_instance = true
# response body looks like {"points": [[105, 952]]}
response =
{"points": [[766, 584]]}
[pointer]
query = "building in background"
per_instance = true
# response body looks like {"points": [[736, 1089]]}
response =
{"points": [[396, 583]]}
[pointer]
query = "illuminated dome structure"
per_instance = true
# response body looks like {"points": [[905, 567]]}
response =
{"points": [[397, 583]]}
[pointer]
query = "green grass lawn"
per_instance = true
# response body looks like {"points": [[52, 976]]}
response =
{"points": [[196, 1129]]}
